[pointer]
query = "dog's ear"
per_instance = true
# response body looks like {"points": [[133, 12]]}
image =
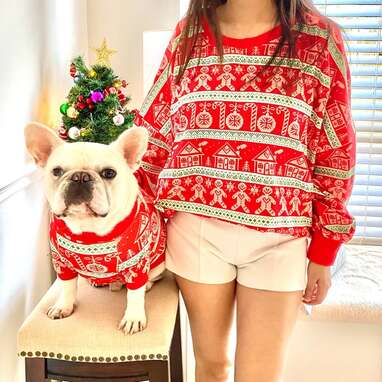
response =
{"points": [[40, 141], [133, 144]]}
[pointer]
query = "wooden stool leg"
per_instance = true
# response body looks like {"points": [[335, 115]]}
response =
{"points": [[159, 373], [176, 351], [35, 369]]}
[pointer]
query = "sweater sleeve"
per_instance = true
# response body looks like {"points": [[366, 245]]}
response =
{"points": [[335, 161], [154, 115]]}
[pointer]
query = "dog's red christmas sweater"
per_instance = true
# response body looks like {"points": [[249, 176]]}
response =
{"points": [[274, 152], [126, 254]]}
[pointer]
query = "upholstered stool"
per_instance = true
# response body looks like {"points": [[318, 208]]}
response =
{"points": [[87, 346]]}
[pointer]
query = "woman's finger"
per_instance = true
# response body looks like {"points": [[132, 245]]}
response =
{"points": [[322, 291], [309, 290]]}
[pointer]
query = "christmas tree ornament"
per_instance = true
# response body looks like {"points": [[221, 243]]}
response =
{"points": [[77, 79], [124, 83], [113, 90], [118, 120], [74, 132], [72, 112], [103, 54], [84, 132], [64, 108], [96, 96], [62, 132], [117, 84], [92, 73], [73, 70], [81, 106]]}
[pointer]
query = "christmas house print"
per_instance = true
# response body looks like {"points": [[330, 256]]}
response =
{"points": [[226, 158], [161, 111], [339, 160], [201, 48], [338, 115], [265, 162], [332, 217], [312, 54], [271, 48], [189, 156], [297, 168]]}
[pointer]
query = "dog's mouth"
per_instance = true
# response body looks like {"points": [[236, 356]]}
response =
{"points": [[82, 210]]}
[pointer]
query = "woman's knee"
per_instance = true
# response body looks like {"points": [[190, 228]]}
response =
{"points": [[215, 368]]}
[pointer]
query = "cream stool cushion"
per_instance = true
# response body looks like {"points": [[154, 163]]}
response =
{"points": [[90, 334]]}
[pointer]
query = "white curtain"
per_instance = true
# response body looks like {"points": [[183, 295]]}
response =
{"points": [[39, 37]]}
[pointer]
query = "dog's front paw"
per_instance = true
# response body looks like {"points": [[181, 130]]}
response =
{"points": [[60, 311], [116, 286], [149, 285], [133, 322]]}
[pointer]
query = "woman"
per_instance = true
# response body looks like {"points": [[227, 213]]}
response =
{"points": [[252, 151]]}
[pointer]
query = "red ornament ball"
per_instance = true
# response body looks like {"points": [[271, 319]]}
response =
{"points": [[62, 132], [124, 83], [72, 70]]}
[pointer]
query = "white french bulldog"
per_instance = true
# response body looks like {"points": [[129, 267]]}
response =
{"points": [[92, 190]]}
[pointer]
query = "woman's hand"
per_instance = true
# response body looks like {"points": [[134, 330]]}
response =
{"points": [[319, 282]]}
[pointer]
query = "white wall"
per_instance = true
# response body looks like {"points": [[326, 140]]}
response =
{"points": [[38, 39], [21, 30], [122, 23]]}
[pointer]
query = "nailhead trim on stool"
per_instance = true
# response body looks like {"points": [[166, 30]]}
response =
{"points": [[75, 340]]}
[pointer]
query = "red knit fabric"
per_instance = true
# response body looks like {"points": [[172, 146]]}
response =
{"points": [[274, 152], [126, 254]]}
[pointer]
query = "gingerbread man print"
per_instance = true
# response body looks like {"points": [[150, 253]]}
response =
{"points": [[184, 89], [249, 79], [218, 194], [203, 79], [283, 202], [338, 191], [277, 81], [177, 190], [295, 202], [241, 198], [198, 189], [226, 78], [300, 89], [266, 201]]}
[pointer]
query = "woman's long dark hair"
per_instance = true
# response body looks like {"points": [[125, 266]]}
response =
{"points": [[289, 12]]}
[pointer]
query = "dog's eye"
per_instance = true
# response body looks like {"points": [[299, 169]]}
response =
{"points": [[108, 173], [57, 171]]}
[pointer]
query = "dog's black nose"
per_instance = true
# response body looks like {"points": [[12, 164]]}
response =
{"points": [[81, 177]]}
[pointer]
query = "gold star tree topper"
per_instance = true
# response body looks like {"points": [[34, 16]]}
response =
{"points": [[103, 54]]}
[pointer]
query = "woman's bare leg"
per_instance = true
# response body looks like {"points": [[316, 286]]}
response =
{"points": [[210, 309], [265, 321]]}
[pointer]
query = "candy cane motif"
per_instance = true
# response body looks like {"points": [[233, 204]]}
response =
{"points": [[286, 118], [253, 108], [303, 136], [222, 107], [79, 261], [192, 106]]}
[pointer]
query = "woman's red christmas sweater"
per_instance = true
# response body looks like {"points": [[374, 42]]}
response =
{"points": [[274, 152]]}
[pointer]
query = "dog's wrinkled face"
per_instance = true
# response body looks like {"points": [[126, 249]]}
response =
{"points": [[87, 180]]}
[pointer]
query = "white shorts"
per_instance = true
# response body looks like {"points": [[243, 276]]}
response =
{"points": [[213, 251]]}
